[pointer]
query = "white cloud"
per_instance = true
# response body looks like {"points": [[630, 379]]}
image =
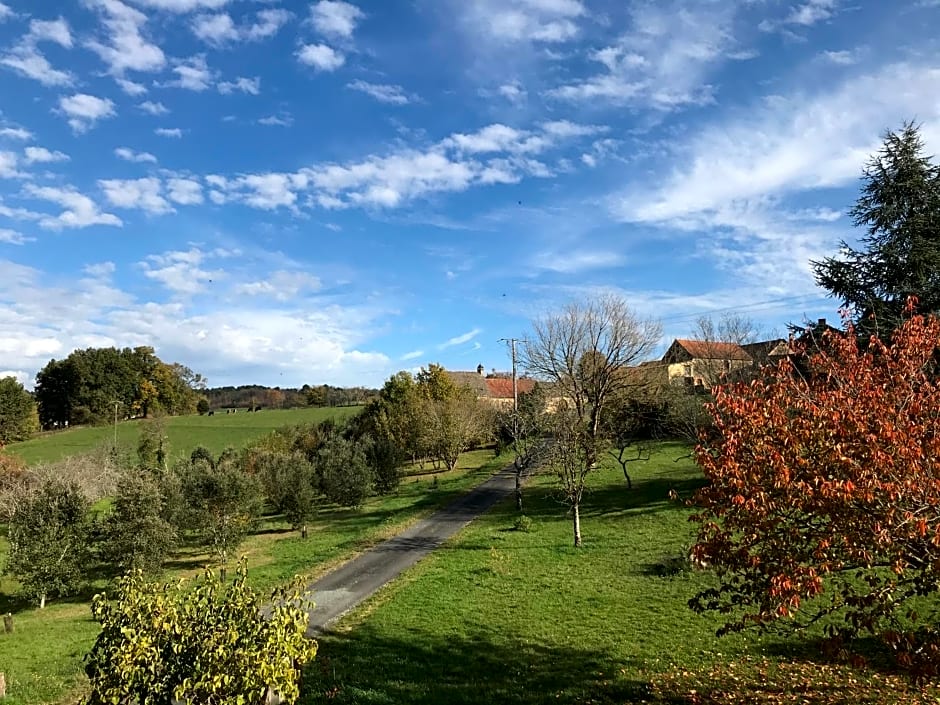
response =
{"points": [[28, 62], [186, 192], [173, 132], [282, 120], [413, 355], [215, 29], [789, 144], [129, 155], [180, 271], [80, 211], [12, 237], [183, 6], [577, 261], [282, 285], [193, 74], [321, 57], [841, 58], [16, 133], [267, 23], [148, 106], [543, 21], [85, 110], [8, 162], [126, 48], [335, 18], [56, 31], [5, 12], [144, 193], [665, 59], [382, 92], [460, 339], [812, 11], [132, 88], [220, 29], [512, 91], [251, 86], [42, 155]]}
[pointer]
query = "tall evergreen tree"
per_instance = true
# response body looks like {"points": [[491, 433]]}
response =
{"points": [[900, 256]]}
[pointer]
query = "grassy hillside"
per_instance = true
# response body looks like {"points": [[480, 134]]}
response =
{"points": [[185, 432]]}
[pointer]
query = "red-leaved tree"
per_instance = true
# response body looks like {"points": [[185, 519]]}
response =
{"points": [[824, 495]]}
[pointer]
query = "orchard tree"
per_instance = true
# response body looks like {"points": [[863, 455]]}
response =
{"points": [[345, 475], [290, 481], [223, 501], [823, 493], [899, 208], [137, 534], [18, 417], [584, 351], [48, 537], [523, 430]]}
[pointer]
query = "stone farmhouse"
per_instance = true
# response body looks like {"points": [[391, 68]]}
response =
{"points": [[494, 388]]}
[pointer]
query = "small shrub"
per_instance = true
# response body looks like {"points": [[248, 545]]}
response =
{"points": [[522, 523]]}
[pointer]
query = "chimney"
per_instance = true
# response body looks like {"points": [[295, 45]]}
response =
{"points": [[822, 323], [481, 370]]}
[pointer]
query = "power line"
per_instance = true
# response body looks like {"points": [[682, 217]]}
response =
{"points": [[754, 307]]}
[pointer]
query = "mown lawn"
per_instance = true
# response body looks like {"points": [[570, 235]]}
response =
{"points": [[504, 616], [216, 432], [42, 659]]}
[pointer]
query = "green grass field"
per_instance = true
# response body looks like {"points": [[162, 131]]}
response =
{"points": [[504, 616], [42, 659], [184, 432]]}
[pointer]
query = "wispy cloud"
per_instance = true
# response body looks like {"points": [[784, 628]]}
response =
{"points": [[413, 355], [460, 339], [382, 92]]}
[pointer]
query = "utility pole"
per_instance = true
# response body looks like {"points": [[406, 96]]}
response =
{"points": [[116, 404], [515, 387]]}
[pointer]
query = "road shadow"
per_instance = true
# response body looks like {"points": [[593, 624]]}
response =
{"points": [[368, 668]]}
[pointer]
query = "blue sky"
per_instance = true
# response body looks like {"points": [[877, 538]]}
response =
{"points": [[292, 192]]}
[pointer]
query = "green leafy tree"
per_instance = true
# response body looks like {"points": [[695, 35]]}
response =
{"points": [[345, 475], [153, 445], [48, 537], [899, 208], [290, 482], [223, 501], [160, 644], [137, 534], [18, 417], [202, 406]]}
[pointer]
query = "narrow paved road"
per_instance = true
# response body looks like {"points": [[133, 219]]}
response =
{"points": [[339, 591]]}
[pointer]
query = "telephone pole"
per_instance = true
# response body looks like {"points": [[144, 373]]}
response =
{"points": [[116, 404]]}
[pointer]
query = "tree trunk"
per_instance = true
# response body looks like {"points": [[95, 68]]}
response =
{"points": [[576, 518], [518, 490], [222, 574], [303, 531], [42, 601], [8, 623]]}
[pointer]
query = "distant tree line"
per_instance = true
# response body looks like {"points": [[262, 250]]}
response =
{"points": [[255, 396], [85, 387]]}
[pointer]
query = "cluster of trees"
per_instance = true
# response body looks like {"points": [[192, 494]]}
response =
{"points": [[823, 481], [86, 386], [425, 418], [207, 501]]}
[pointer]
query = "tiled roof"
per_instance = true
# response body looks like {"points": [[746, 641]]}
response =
{"points": [[704, 350], [501, 387]]}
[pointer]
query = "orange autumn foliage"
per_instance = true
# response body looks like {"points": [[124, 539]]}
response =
{"points": [[824, 494]]}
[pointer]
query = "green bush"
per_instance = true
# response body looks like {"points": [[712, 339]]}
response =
{"points": [[202, 645], [523, 523]]}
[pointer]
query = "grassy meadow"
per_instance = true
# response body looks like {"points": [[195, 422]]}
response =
{"points": [[42, 658], [184, 432], [506, 616]]}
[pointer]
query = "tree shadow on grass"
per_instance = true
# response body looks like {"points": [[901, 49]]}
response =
{"points": [[368, 668]]}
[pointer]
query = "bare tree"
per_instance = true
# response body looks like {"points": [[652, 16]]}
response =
{"points": [[584, 351], [524, 427]]}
